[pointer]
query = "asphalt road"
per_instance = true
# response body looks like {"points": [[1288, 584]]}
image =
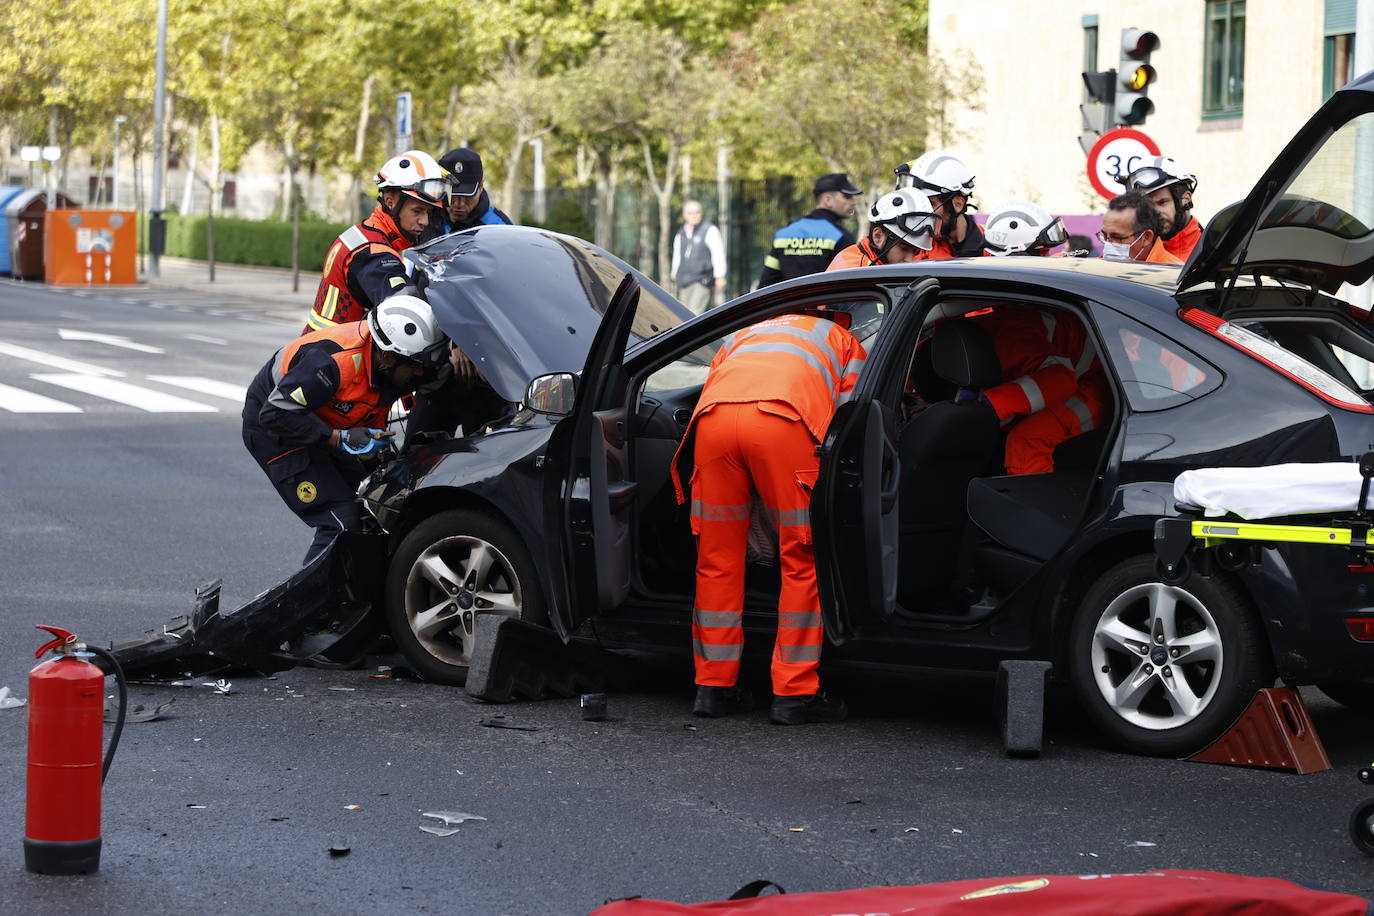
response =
{"points": [[114, 514]]}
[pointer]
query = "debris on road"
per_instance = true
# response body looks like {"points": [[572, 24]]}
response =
{"points": [[353, 807], [338, 851], [796, 829], [9, 702], [1141, 843], [912, 830], [197, 806], [140, 713], [344, 689], [439, 831], [500, 722], [449, 818], [221, 687]]}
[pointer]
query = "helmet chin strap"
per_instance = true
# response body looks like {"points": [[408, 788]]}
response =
{"points": [[1180, 212], [880, 254]]}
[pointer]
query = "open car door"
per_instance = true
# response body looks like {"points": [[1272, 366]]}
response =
{"points": [[589, 495], [854, 507]]}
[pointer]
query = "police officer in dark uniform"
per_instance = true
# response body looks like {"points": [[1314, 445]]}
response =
{"points": [[469, 204], [318, 410], [808, 245]]}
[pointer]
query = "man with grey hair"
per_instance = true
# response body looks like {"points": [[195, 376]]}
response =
{"points": [[698, 260]]}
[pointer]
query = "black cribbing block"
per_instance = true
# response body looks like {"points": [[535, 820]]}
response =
{"points": [[517, 660], [1021, 705]]}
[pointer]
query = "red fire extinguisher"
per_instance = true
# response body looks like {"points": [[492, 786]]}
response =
{"points": [[66, 727]]}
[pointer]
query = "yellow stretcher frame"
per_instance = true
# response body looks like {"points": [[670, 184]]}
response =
{"points": [[1177, 537], [1214, 532]]}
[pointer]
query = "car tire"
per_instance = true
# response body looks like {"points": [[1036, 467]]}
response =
{"points": [[448, 570], [1356, 695], [1205, 657], [1362, 826]]}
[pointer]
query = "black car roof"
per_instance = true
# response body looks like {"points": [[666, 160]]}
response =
{"points": [[1153, 285]]}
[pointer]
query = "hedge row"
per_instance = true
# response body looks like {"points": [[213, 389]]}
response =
{"points": [[246, 241]]}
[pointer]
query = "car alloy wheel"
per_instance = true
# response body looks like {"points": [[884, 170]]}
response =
{"points": [[1165, 669], [448, 571], [451, 582], [1157, 656]]}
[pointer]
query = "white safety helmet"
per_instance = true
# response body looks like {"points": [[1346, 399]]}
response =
{"points": [[907, 215], [1159, 172], [416, 174], [1021, 227], [405, 325], [937, 172]]}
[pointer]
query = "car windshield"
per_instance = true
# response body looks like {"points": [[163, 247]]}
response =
{"points": [[1331, 193]]}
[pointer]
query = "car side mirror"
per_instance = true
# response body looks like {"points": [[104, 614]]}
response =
{"points": [[552, 394]]}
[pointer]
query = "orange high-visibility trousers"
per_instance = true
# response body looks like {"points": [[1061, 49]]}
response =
{"points": [[743, 449], [1032, 439]]}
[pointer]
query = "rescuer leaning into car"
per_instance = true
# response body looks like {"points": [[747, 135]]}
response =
{"points": [[318, 409], [771, 392]]}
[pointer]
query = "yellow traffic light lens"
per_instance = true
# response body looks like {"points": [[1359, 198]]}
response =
{"points": [[1140, 78]]}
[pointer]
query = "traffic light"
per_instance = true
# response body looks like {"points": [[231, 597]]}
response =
{"points": [[1134, 76], [1099, 111]]}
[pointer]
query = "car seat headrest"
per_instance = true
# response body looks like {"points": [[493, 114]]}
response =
{"points": [[962, 353]]}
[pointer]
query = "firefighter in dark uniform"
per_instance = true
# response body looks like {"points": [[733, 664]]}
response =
{"points": [[364, 264], [808, 245], [317, 412]]}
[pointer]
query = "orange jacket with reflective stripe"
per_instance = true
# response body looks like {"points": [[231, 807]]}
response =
{"points": [[939, 250], [810, 364], [335, 303], [1043, 357], [1182, 245], [857, 255], [355, 389]]}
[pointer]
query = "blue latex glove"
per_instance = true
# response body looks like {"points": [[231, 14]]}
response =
{"points": [[363, 442]]}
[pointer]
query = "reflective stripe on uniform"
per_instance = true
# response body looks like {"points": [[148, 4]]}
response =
{"points": [[1080, 410], [772, 263], [731, 652], [803, 620], [353, 237], [818, 336], [319, 322], [781, 517], [799, 653], [710, 513], [717, 618], [331, 302], [1032, 393], [793, 349], [1056, 361], [1085, 360]]}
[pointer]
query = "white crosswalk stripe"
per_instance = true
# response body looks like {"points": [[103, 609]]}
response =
{"points": [[17, 400], [56, 362], [125, 393], [225, 390]]}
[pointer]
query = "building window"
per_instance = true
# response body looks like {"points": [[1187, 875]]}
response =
{"points": [[1338, 57], [1223, 78], [1089, 52]]}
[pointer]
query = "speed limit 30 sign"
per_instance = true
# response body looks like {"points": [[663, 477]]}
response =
{"points": [[1115, 155]]}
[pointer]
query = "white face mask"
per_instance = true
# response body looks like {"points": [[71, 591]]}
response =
{"points": [[1119, 251]]}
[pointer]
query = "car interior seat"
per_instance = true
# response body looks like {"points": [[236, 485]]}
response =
{"points": [[941, 450]]}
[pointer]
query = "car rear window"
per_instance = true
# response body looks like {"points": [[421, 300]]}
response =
{"points": [[1331, 193], [1155, 372]]}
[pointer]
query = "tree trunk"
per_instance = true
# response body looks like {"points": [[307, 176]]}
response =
{"points": [[188, 188], [292, 205], [510, 187], [355, 193], [216, 187], [448, 119], [663, 191]]}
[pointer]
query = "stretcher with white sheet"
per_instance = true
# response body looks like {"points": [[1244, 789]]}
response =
{"points": [[1226, 514]]}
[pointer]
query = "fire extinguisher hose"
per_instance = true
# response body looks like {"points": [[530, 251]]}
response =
{"points": [[123, 705]]}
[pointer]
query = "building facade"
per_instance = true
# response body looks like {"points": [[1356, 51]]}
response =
{"points": [[1235, 80]]}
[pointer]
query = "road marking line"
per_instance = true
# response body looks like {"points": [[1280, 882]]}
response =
{"points": [[56, 362], [226, 390], [17, 400], [124, 393], [113, 340], [210, 340]]}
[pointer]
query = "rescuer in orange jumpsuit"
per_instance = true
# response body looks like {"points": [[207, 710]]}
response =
{"points": [[1170, 187], [902, 227], [770, 395]]}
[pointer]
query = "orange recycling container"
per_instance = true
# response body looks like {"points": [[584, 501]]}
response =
{"points": [[91, 248]]}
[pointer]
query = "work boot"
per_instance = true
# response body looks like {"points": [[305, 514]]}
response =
{"points": [[714, 702], [815, 707]]}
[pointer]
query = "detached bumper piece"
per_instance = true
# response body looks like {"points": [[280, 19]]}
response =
{"points": [[323, 612], [515, 660]]}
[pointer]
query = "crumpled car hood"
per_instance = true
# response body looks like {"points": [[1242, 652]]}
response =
{"points": [[523, 302]]}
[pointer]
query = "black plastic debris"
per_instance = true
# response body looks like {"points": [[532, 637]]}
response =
{"points": [[500, 722], [338, 851]]}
